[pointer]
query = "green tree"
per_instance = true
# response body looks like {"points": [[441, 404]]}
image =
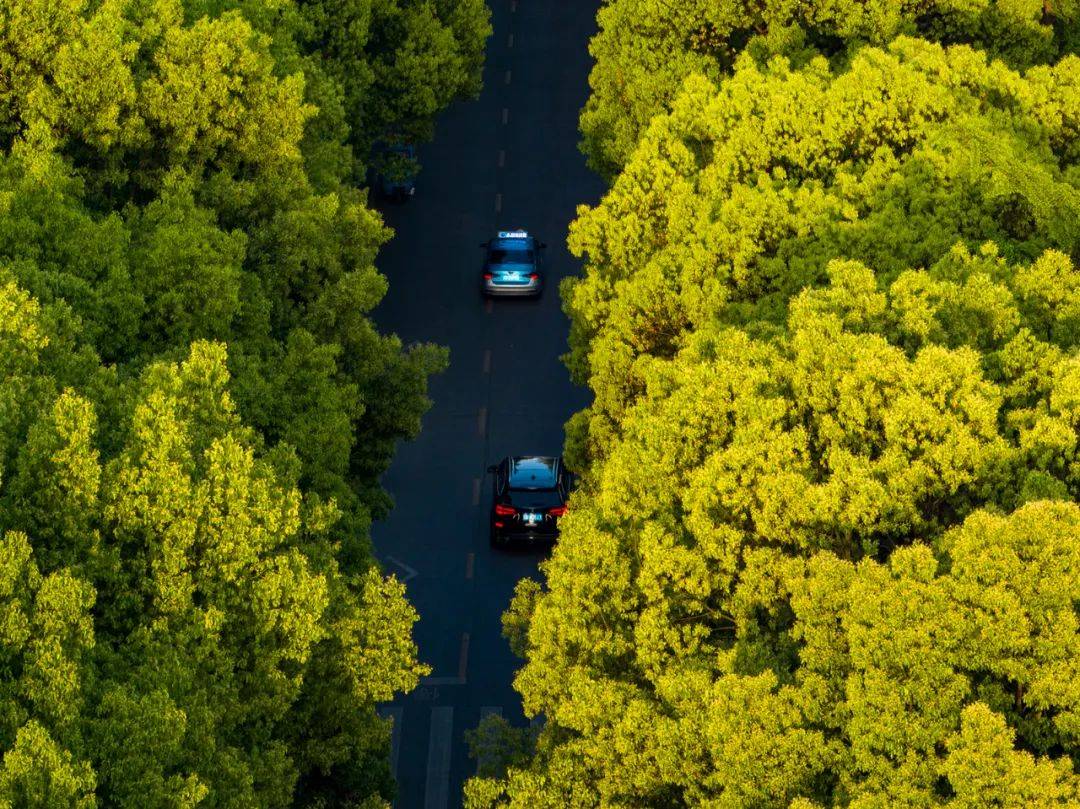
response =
{"points": [[823, 554], [741, 197], [178, 628], [646, 49], [177, 176]]}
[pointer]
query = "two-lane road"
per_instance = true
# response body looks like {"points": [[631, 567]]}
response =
{"points": [[509, 159]]}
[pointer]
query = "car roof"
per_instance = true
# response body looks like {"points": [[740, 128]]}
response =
{"points": [[534, 472], [511, 244]]}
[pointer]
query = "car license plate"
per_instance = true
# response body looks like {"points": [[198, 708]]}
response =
{"points": [[532, 519], [513, 276]]}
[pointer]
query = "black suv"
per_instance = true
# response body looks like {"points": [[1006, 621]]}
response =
{"points": [[394, 168], [530, 496]]}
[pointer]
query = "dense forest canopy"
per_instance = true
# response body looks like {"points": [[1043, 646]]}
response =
{"points": [[646, 48], [825, 551], [194, 406]]}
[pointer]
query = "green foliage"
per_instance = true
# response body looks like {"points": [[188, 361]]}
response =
{"points": [[195, 406], [741, 196], [180, 590], [824, 553], [646, 49]]}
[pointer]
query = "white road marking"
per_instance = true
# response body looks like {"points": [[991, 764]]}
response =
{"points": [[513, 5], [507, 79], [410, 572], [476, 491], [498, 203], [470, 563], [510, 41], [395, 715], [502, 158], [506, 115], [463, 666], [481, 422], [487, 360], [437, 785], [463, 657]]}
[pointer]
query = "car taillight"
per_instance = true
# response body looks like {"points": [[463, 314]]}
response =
{"points": [[504, 511], [558, 511], [533, 276], [488, 276]]}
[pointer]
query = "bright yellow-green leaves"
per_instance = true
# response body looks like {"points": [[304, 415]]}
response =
{"points": [[189, 599], [195, 406], [647, 48], [825, 549]]}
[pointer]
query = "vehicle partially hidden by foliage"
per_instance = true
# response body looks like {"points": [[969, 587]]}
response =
{"points": [[393, 169]]}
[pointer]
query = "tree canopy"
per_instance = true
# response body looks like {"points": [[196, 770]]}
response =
{"points": [[195, 406], [646, 48], [824, 553]]}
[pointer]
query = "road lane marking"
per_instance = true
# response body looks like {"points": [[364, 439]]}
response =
{"points": [[481, 421], [394, 714], [507, 79], [506, 115], [513, 5], [510, 41], [502, 158], [463, 657], [487, 360], [437, 785], [409, 571], [498, 203], [470, 562], [476, 491]]}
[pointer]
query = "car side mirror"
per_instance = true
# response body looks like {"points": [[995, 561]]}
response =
{"points": [[493, 469]]}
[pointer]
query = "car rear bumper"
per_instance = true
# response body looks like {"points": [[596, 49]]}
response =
{"points": [[523, 536], [511, 291]]}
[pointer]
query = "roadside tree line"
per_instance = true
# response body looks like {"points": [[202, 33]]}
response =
{"points": [[194, 404], [826, 548]]}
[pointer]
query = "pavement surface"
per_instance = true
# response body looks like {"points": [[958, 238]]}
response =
{"points": [[506, 160]]}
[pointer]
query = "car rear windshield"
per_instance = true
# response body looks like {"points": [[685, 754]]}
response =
{"points": [[536, 498], [511, 255]]}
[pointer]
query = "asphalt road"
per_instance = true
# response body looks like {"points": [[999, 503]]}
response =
{"points": [[509, 159]]}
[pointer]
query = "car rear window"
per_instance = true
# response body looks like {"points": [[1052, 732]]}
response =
{"points": [[536, 498], [504, 255]]}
